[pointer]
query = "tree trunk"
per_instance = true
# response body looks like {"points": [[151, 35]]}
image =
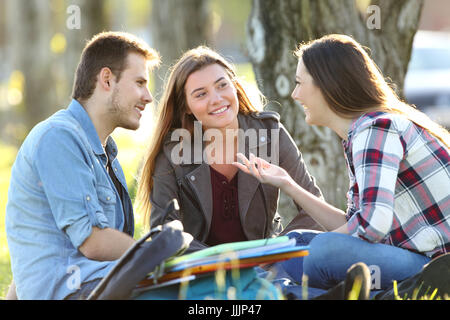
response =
{"points": [[274, 30], [3, 42], [48, 75], [30, 35], [178, 25], [93, 20]]}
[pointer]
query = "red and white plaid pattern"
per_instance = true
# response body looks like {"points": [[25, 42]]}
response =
{"points": [[399, 184]]}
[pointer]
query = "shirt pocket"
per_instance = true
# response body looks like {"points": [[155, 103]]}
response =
{"points": [[107, 199]]}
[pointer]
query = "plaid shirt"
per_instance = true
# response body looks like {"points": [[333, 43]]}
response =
{"points": [[399, 184]]}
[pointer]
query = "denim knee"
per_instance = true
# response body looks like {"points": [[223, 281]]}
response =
{"points": [[323, 244], [318, 249], [321, 248]]}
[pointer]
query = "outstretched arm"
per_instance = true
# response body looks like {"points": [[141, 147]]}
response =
{"points": [[333, 219]]}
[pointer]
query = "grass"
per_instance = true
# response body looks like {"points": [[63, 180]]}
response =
{"points": [[429, 294]]}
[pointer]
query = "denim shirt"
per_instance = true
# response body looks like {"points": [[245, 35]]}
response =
{"points": [[59, 190]]}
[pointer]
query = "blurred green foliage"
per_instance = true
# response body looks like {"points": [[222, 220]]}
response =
{"points": [[8, 154]]}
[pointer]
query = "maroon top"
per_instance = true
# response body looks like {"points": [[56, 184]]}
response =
{"points": [[225, 223]]}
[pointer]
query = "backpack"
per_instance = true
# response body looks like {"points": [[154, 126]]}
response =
{"points": [[149, 255], [243, 285]]}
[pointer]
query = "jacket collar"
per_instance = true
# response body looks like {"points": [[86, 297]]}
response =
{"points": [[249, 127]]}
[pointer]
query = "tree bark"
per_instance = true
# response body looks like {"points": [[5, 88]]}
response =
{"points": [[274, 30], [178, 25]]}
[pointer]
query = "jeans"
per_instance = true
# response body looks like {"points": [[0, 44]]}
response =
{"points": [[331, 254], [287, 275]]}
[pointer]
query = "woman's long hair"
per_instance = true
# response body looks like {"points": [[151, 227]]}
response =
{"points": [[352, 84], [172, 112]]}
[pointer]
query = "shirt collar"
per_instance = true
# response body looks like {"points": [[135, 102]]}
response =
{"points": [[80, 114], [356, 123]]}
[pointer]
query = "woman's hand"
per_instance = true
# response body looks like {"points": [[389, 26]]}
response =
{"points": [[329, 217], [264, 171]]}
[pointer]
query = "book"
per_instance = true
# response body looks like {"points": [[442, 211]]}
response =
{"points": [[238, 254], [231, 264], [218, 249]]}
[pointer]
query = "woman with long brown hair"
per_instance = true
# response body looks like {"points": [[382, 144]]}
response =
{"points": [[204, 116], [398, 215]]}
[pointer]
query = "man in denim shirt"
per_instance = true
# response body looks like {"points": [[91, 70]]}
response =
{"points": [[69, 215]]}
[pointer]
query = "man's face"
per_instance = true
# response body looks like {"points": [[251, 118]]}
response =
{"points": [[130, 94]]}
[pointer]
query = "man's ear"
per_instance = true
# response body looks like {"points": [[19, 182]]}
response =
{"points": [[105, 78]]}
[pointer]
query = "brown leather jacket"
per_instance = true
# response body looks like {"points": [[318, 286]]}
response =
{"points": [[190, 184]]}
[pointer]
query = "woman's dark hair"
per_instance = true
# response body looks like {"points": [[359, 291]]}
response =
{"points": [[352, 84]]}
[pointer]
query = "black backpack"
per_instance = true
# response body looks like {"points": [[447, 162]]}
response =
{"points": [[142, 258]]}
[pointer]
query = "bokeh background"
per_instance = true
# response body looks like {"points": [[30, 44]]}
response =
{"points": [[41, 42]]}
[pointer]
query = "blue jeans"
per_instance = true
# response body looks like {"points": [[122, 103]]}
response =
{"points": [[288, 274], [331, 254]]}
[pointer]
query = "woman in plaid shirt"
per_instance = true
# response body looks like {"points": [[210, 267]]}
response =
{"points": [[398, 215]]}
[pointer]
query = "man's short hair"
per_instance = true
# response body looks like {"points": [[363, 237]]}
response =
{"points": [[107, 49]]}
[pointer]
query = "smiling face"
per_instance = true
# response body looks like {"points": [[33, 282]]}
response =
{"points": [[130, 93], [310, 96], [212, 98]]}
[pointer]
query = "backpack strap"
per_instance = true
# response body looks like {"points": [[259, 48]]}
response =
{"points": [[142, 258]]}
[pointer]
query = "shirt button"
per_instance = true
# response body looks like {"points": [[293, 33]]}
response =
{"points": [[115, 169], [88, 198], [192, 178], [108, 198]]}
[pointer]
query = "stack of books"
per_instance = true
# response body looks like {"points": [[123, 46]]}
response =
{"points": [[228, 256]]}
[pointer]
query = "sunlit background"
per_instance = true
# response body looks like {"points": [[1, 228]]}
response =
{"points": [[39, 51]]}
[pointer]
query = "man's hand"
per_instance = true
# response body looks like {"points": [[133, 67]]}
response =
{"points": [[106, 244]]}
